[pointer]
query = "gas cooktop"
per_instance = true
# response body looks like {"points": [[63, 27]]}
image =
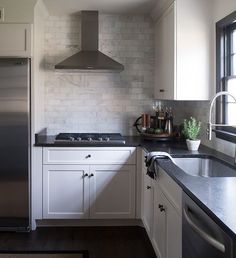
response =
{"points": [[100, 138]]}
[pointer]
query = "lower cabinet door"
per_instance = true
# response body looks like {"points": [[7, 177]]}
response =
{"points": [[173, 232], [159, 223], [147, 207], [65, 191], [167, 227], [112, 191]]}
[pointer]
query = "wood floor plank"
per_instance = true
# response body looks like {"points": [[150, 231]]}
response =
{"points": [[101, 242]]}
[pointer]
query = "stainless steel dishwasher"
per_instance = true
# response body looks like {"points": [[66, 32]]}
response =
{"points": [[202, 237]]}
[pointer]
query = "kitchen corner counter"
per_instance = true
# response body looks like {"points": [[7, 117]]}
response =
{"points": [[44, 140], [176, 149], [216, 196]]}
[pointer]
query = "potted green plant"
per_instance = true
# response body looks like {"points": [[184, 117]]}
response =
{"points": [[191, 131]]}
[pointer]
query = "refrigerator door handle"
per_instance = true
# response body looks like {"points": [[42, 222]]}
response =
{"points": [[208, 238]]}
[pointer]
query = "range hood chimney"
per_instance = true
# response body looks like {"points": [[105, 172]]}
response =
{"points": [[89, 58]]}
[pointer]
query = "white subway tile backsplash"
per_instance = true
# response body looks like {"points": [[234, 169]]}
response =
{"points": [[200, 110], [103, 102]]}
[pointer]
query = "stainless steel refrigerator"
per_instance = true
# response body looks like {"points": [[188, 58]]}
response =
{"points": [[14, 144]]}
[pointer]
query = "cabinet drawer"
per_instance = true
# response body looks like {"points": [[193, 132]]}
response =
{"points": [[171, 190], [100, 155]]}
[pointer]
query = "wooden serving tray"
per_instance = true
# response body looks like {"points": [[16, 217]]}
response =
{"points": [[158, 137]]}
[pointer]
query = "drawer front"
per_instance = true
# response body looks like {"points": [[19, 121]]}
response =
{"points": [[100, 155], [172, 191]]}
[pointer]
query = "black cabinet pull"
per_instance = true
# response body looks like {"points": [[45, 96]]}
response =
{"points": [[88, 156], [161, 207], [91, 175], [85, 175], [161, 90], [149, 187]]}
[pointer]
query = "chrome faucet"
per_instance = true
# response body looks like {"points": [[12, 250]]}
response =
{"points": [[210, 124]]}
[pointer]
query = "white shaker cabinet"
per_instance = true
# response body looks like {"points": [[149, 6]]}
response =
{"points": [[147, 200], [165, 55], [65, 191], [147, 214], [15, 40], [173, 232], [183, 51], [167, 227], [95, 183], [162, 213], [159, 223], [112, 191]]}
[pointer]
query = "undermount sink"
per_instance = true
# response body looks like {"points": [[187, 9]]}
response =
{"points": [[204, 167]]}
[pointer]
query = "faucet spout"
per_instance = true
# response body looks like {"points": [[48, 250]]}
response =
{"points": [[209, 131], [210, 124]]}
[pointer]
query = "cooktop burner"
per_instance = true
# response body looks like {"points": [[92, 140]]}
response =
{"points": [[90, 138]]}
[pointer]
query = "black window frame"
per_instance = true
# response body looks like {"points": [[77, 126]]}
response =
{"points": [[224, 30]]}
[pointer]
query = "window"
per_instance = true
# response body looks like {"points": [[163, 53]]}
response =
{"points": [[226, 76]]}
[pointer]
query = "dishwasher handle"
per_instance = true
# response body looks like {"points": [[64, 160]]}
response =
{"points": [[208, 238]]}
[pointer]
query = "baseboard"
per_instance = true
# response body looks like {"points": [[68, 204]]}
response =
{"points": [[88, 222]]}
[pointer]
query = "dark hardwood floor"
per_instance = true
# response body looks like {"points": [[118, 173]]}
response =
{"points": [[101, 242]]}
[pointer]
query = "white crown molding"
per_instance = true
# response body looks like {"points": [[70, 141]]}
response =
{"points": [[42, 7], [160, 7]]}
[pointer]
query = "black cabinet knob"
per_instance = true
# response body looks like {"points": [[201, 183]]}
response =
{"points": [[91, 175], [161, 207], [88, 156], [149, 187], [85, 175]]}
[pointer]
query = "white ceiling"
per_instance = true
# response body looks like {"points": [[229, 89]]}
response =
{"points": [[65, 7]]}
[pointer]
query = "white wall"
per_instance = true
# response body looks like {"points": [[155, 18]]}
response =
{"points": [[18, 11]]}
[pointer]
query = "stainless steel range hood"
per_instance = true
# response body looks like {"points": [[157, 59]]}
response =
{"points": [[89, 58]]}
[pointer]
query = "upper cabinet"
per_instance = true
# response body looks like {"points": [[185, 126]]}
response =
{"points": [[165, 55], [183, 49], [15, 40], [18, 18], [18, 11]]}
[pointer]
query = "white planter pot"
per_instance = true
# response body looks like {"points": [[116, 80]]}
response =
{"points": [[193, 145]]}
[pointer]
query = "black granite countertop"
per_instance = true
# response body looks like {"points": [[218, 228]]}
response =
{"points": [[216, 196], [49, 141]]}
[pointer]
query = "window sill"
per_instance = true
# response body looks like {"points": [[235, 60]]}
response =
{"points": [[227, 136]]}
